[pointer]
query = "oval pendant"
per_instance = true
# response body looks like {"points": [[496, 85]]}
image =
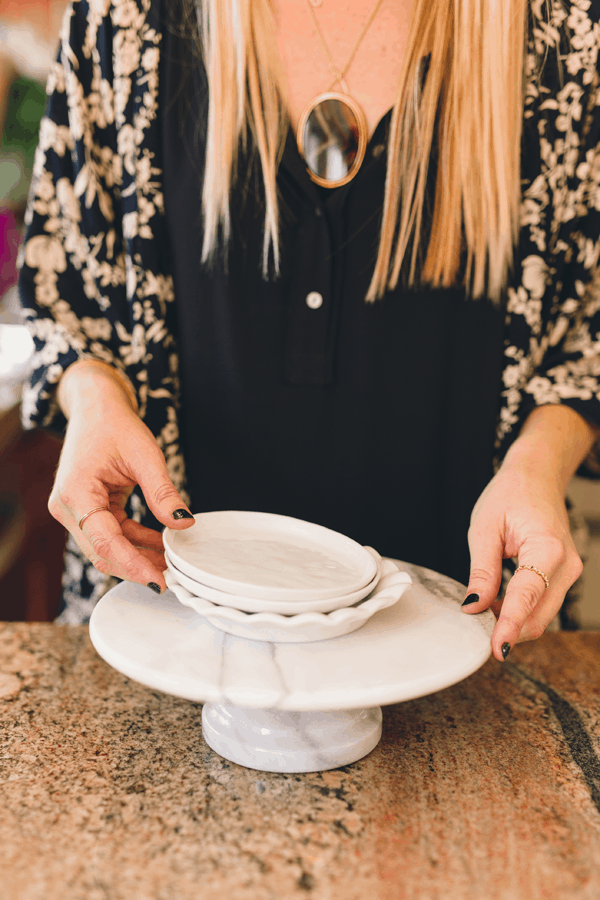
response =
{"points": [[332, 138]]}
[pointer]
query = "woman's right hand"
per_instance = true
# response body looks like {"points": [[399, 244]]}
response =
{"points": [[107, 452]]}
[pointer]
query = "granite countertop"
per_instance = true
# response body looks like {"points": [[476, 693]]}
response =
{"points": [[489, 789]]}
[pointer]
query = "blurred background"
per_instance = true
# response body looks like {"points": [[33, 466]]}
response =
{"points": [[31, 542]]}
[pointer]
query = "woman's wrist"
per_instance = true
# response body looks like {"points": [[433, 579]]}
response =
{"points": [[88, 382], [552, 444]]}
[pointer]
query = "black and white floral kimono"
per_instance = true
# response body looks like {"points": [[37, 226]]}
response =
{"points": [[95, 277]]}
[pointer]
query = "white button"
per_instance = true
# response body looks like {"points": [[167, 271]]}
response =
{"points": [[314, 300]]}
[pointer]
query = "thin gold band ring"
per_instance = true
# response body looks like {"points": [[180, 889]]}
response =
{"points": [[95, 509], [537, 572]]}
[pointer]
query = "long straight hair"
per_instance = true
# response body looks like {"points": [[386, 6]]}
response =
{"points": [[468, 109]]}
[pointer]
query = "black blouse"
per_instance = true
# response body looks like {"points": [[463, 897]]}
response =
{"points": [[299, 397]]}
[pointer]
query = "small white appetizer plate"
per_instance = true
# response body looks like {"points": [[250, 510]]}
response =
{"points": [[269, 557], [304, 627], [285, 607]]}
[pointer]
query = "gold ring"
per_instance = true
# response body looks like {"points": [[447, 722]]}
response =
{"points": [[95, 509], [537, 572]]}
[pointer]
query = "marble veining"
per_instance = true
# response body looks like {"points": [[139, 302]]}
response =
{"points": [[299, 692], [421, 644], [274, 741]]}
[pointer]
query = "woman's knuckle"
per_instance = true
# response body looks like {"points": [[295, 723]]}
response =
{"points": [[529, 599], [100, 544], [55, 508], [129, 568], [556, 549], [66, 498], [574, 567], [163, 492], [481, 576], [476, 531]]}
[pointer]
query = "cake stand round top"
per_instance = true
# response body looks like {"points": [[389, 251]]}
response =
{"points": [[418, 646]]}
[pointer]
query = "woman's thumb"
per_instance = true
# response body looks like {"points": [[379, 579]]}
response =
{"points": [[162, 497]]}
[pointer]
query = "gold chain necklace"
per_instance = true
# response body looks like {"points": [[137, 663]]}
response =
{"points": [[332, 131]]}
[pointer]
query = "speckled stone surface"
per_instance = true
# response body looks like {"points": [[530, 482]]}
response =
{"points": [[489, 789]]}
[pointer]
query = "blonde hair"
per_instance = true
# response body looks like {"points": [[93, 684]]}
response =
{"points": [[470, 103]]}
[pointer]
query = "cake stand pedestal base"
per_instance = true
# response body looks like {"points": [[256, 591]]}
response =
{"points": [[273, 740]]}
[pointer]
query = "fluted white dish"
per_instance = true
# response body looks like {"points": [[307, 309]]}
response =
{"points": [[269, 557], [301, 628], [284, 607]]}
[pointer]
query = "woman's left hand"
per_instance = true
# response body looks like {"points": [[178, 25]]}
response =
{"points": [[522, 514]]}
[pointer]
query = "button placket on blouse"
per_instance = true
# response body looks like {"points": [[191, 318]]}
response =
{"points": [[307, 345]]}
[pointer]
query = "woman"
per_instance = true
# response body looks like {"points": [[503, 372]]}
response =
{"points": [[363, 349]]}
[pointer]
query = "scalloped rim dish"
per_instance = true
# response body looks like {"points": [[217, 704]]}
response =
{"points": [[303, 627]]}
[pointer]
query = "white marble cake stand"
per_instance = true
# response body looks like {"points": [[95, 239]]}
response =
{"points": [[294, 707]]}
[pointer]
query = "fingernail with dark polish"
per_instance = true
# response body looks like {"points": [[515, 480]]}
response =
{"points": [[154, 587], [182, 514], [505, 649], [472, 598]]}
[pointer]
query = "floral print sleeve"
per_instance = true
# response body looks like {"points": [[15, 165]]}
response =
{"points": [[73, 275], [552, 345], [94, 282]]}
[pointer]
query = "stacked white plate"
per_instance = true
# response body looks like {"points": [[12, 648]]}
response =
{"points": [[275, 578]]}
